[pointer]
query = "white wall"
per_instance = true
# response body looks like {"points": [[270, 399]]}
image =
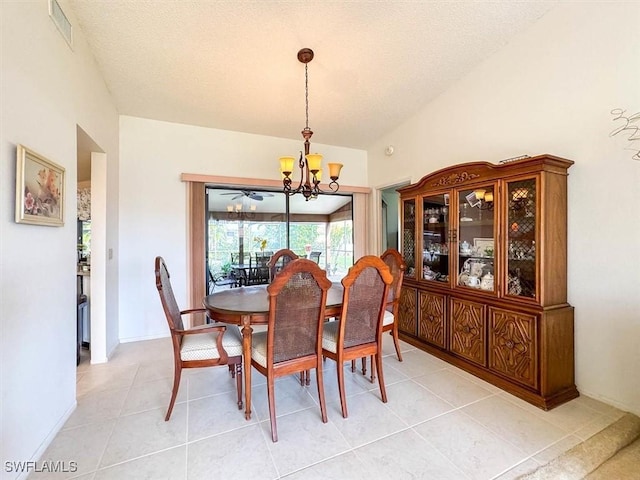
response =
{"points": [[47, 89], [551, 91], [153, 204]]}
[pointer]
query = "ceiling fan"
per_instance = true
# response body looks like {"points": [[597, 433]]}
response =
{"points": [[257, 196]]}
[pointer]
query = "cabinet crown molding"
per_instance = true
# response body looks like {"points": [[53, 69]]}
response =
{"points": [[454, 178]]}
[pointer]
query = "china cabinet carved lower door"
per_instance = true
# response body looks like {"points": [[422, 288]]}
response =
{"points": [[468, 330], [485, 287], [513, 346], [431, 327], [407, 311]]}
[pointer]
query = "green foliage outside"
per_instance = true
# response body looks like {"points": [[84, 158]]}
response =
{"points": [[224, 237]]}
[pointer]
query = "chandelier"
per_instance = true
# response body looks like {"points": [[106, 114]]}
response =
{"points": [[481, 198], [238, 212], [310, 164]]}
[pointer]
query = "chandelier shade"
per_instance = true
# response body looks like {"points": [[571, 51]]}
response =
{"points": [[244, 209], [310, 164]]}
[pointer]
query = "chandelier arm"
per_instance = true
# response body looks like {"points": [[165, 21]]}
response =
{"points": [[484, 205], [287, 180]]}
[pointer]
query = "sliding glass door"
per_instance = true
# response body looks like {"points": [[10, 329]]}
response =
{"points": [[243, 226]]}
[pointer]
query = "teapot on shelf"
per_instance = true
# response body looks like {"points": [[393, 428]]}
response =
{"points": [[465, 248], [487, 282]]}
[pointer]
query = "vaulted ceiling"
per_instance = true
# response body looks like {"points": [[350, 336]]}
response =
{"points": [[231, 64]]}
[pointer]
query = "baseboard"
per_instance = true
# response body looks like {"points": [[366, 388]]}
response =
{"points": [[635, 409], [140, 339], [49, 438]]}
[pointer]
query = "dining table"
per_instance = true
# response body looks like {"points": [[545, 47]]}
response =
{"points": [[247, 306], [241, 272]]}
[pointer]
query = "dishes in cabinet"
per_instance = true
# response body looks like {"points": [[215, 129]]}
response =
{"points": [[429, 274], [513, 286], [465, 248], [476, 268], [487, 282], [468, 280], [473, 281], [473, 274]]}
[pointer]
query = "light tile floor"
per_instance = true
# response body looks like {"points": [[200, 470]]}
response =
{"points": [[439, 423]]}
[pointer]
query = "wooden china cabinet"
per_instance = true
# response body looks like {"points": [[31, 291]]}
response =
{"points": [[486, 281]]}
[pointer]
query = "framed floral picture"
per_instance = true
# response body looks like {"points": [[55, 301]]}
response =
{"points": [[39, 189], [484, 246]]}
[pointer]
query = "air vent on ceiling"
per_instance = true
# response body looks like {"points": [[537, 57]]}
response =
{"points": [[61, 21]]}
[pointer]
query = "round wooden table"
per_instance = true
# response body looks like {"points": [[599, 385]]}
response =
{"points": [[246, 306]]}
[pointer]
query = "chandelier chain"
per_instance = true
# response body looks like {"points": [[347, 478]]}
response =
{"points": [[306, 93]]}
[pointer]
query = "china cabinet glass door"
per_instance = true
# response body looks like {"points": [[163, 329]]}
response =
{"points": [[435, 238], [409, 235], [521, 238], [476, 238]]}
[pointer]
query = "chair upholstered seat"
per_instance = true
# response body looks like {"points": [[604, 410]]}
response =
{"points": [[388, 318], [330, 336], [203, 346], [259, 347]]}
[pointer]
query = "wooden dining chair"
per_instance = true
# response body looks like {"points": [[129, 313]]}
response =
{"points": [[392, 258], [279, 260], [358, 332], [203, 346], [262, 257], [315, 256], [219, 280], [258, 273], [292, 342]]}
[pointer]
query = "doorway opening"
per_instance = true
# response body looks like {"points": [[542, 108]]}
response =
{"points": [[244, 227], [390, 216], [91, 249]]}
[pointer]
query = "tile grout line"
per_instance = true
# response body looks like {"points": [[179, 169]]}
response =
{"points": [[439, 452], [186, 431], [115, 423], [495, 434]]}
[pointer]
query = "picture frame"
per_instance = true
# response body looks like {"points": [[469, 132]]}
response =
{"points": [[40, 195], [482, 244]]}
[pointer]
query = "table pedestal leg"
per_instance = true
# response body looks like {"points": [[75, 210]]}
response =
{"points": [[246, 347]]}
